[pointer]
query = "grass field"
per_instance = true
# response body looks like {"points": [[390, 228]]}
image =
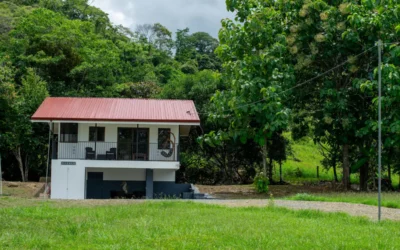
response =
{"points": [[306, 169], [183, 225], [391, 200]]}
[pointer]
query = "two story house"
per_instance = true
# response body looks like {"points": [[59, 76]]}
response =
{"points": [[113, 147]]}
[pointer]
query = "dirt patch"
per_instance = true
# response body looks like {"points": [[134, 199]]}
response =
{"points": [[22, 189], [248, 191]]}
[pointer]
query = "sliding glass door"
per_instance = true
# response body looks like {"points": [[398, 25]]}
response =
{"points": [[133, 143]]}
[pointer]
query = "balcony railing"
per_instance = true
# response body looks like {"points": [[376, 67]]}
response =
{"points": [[116, 151]]}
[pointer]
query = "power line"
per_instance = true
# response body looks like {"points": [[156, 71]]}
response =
{"points": [[298, 85]]}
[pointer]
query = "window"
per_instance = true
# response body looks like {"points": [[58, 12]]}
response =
{"points": [[163, 138], [100, 135], [69, 132]]}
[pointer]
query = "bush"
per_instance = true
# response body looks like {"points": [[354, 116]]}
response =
{"points": [[261, 183]]}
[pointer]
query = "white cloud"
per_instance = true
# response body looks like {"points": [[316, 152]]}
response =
{"points": [[197, 15]]}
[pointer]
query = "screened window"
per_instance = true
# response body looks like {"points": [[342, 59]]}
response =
{"points": [[97, 133], [69, 132], [163, 138]]}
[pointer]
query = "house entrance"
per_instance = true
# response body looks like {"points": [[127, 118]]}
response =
{"points": [[133, 144]]}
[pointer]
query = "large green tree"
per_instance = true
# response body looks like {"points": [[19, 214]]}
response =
{"points": [[196, 51], [330, 49], [251, 50], [18, 134]]}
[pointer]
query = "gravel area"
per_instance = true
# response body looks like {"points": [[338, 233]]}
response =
{"points": [[368, 211]]}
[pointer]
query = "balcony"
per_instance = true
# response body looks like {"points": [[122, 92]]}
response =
{"points": [[115, 151]]}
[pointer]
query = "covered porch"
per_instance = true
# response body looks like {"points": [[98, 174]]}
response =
{"points": [[116, 141]]}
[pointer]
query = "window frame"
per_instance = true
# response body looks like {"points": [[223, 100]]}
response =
{"points": [[96, 134], [164, 144], [68, 127]]}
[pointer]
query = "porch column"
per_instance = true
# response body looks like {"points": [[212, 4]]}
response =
{"points": [[54, 143], [149, 184], [95, 141]]}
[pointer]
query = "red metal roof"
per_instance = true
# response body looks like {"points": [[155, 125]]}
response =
{"points": [[116, 109]]}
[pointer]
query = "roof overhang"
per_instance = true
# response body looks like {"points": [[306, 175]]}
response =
{"points": [[120, 122]]}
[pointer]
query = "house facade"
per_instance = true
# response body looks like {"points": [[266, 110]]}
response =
{"points": [[112, 147]]}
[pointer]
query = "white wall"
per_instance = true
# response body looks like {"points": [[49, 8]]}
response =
{"points": [[69, 181], [77, 150], [121, 174], [163, 175]]}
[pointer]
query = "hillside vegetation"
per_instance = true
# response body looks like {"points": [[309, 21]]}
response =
{"points": [[307, 69]]}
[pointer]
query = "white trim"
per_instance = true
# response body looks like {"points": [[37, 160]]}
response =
{"points": [[122, 122]]}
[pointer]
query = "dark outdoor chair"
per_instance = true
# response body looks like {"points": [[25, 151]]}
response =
{"points": [[112, 154], [90, 154]]}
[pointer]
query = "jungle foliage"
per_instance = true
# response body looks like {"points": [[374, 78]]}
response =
{"points": [[308, 67]]}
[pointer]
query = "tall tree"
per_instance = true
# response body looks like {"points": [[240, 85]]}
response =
{"points": [[19, 134], [197, 50], [251, 51]]}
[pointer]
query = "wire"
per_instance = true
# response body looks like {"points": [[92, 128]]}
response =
{"points": [[296, 86]]}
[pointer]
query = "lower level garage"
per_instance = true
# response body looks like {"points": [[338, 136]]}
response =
{"points": [[112, 183]]}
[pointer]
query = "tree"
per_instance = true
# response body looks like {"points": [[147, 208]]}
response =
{"points": [[321, 36], [277, 151], [140, 90], [256, 72], [318, 37], [198, 47], [7, 92], [19, 135], [157, 35]]}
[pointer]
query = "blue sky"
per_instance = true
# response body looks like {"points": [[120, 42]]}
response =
{"points": [[197, 15]]}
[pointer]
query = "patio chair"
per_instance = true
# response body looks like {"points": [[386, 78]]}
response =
{"points": [[89, 153], [112, 154]]}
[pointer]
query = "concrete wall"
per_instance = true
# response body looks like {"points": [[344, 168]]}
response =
{"points": [[69, 181], [77, 150]]}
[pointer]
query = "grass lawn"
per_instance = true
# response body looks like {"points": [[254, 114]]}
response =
{"points": [[183, 225], [391, 200], [309, 158], [306, 169]]}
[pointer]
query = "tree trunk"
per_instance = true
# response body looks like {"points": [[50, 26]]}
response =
{"points": [[264, 156], [346, 167], [280, 172], [26, 165], [334, 168], [389, 169], [270, 171], [17, 154], [364, 177]]}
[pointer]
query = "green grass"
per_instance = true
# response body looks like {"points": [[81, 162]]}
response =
{"points": [[306, 169], [184, 225], [391, 200]]}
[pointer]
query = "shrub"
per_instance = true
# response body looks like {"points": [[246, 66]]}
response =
{"points": [[261, 183]]}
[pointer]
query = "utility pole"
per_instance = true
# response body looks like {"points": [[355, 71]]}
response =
{"points": [[1, 179], [379, 126]]}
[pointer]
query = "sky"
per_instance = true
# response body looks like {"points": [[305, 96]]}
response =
{"points": [[197, 15]]}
